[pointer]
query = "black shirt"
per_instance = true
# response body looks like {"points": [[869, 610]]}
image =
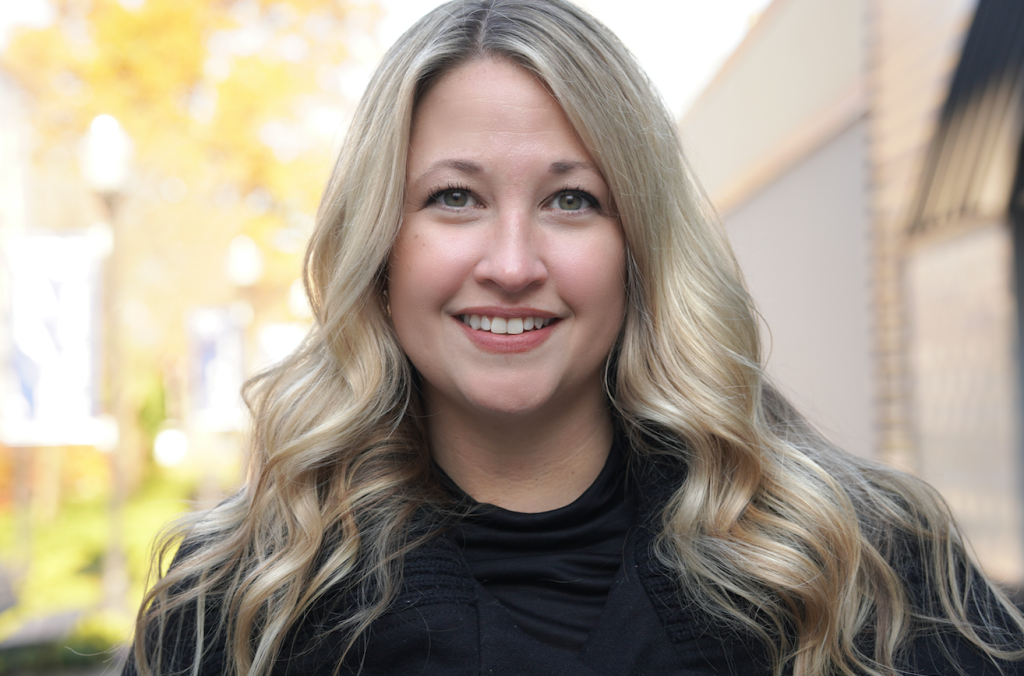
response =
{"points": [[552, 570], [443, 622]]}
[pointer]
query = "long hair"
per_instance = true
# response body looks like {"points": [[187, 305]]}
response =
{"points": [[773, 531]]}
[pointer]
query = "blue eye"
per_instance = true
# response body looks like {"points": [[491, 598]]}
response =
{"points": [[572, 200]]}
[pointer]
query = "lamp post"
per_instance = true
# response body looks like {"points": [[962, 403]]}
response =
{"points": [[245, 262], [105, 159], [243, 268]]}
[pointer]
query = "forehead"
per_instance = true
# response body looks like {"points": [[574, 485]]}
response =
{"points": [[488, 104]]}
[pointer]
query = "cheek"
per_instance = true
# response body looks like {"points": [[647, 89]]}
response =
{"points": [[592, 276], [409, 279], [424, 270]]}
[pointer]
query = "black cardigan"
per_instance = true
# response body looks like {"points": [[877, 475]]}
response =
{"points": [[444, 623]]}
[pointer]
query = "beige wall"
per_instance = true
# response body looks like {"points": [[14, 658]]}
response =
{"points": [[796, 79], [802, 242], [779, 141], [812, 140], [915, 48], [963, 357], [947, 401]]}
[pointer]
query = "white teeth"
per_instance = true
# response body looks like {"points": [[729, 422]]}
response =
{"points": [[502, 325]]}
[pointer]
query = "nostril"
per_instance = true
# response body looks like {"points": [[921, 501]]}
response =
{"points": [[512, 260], [512, 278]]}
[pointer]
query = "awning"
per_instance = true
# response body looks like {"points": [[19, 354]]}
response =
{"points": [[972, 165]]}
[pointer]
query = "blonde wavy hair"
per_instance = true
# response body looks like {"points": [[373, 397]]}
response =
{"points": [[772, 531]]}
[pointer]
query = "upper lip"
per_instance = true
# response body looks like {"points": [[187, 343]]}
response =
{"points": [[507, 312]]}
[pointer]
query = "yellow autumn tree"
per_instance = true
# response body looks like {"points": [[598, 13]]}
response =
{"points": [[208, 89], [232, 107]]}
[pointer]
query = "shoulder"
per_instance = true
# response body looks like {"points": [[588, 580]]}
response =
{"points": [[935, 645], [178, 613]]}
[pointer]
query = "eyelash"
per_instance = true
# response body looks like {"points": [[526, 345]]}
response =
{"points": [[594, 204], [435, 196]]}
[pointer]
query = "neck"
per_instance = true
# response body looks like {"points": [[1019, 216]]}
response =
{"points": [[530, 463]]}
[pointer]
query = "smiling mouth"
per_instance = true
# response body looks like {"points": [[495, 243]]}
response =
{"points": [[503, 325]]}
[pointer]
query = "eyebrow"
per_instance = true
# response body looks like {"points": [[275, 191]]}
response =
{"points": [[560, 168], [463, 166]]}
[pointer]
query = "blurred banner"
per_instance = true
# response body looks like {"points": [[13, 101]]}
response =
{"points": [[51, 341], [217, 369]]}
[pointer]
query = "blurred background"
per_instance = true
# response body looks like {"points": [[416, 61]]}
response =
{"points": [[160, 167]]}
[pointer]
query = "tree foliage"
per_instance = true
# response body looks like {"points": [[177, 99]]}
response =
{"points": [[211, 91], [232, 107]]}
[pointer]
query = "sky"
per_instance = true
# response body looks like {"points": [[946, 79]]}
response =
{"points": [[22, 12], [680, 43]]}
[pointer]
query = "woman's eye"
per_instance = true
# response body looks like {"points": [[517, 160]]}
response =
{"points": [[572, 201], [454, 198]]}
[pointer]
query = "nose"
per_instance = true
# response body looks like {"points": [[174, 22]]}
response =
{"points": [[512, 259]]}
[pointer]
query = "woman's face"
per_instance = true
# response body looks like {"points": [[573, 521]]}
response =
{"points": [[506, 283]]}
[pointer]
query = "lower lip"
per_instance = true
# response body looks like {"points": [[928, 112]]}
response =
{"points": [[506, 342]]}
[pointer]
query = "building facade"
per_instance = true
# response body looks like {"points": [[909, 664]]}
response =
{"points": [[864, 153]]}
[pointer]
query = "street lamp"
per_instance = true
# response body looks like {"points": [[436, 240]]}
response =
{"points": [[243, 269], [106, 154], [244, 263]]}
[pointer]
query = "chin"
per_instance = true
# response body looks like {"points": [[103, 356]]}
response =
{"points": [[513, 407], [515, 399]]}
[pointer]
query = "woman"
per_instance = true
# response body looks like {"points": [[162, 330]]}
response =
{"points": [[530, 431]]}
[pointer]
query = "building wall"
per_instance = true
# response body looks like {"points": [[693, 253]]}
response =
{"points": [[915, 46], [772, 104], [947, 398], [964, 402], [902, 348], [802, 242], [778, 138]]}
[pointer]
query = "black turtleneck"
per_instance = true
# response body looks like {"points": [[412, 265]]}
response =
{"points": [[552, 570]]}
